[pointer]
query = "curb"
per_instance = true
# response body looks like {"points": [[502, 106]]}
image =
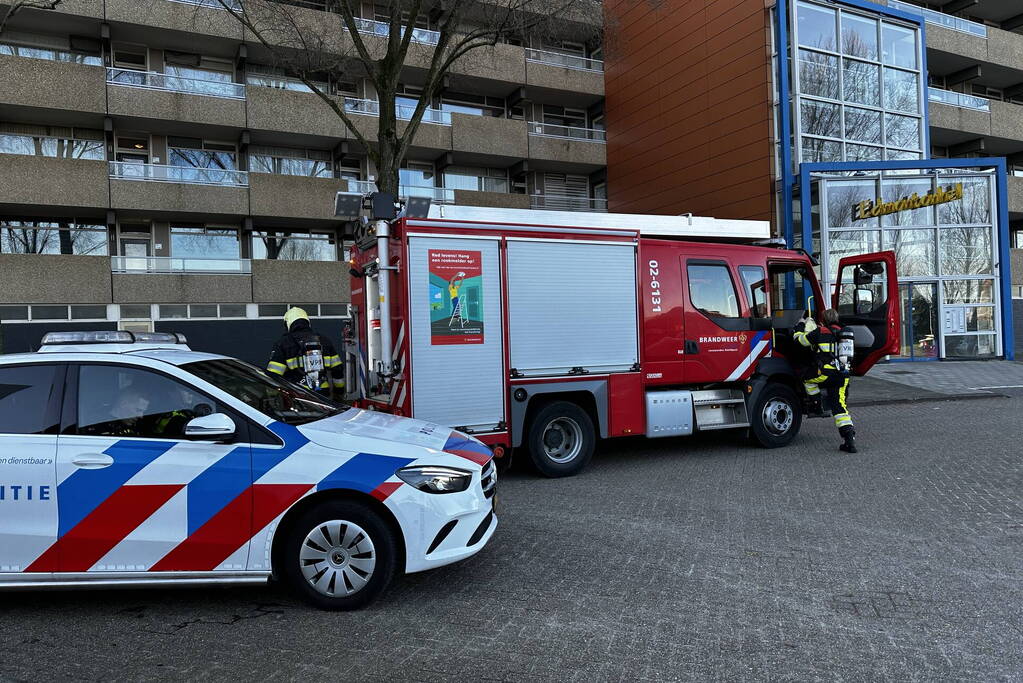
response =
{"points": [[929, 399]]}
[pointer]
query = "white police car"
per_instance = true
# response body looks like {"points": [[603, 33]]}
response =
{"points": [[131, 460]]}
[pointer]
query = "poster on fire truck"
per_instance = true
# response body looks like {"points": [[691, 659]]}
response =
{"points": [[456, 297]]}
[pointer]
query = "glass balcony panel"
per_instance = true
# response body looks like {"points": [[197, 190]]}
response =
{"points": [[958, 99], [50, 54], [212, 86], [170, 264], [561, 59], [552, 130], [133, 170], [941, 19]]}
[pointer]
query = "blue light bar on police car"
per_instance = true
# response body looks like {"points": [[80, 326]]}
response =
{"points": [[112, 337]]}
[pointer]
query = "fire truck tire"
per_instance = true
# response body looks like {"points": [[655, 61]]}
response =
{"points": [[561, 439], [776, 416], [339, 555]]}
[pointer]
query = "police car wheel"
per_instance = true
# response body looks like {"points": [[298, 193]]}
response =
{"points": [[561, 439], [776, 416], [339, 555]]}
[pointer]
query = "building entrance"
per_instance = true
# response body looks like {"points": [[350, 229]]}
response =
{"points": [[920, 332]]}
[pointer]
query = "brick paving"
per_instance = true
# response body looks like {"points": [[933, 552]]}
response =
{"points": [[688, 559], [954, 377]]}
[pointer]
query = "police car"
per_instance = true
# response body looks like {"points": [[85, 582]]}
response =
{"points": [[128, 459]]}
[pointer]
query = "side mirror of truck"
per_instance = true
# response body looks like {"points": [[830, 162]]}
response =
{"points": [[863, 301]]}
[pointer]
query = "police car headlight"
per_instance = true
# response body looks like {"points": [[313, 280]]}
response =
{"points": [[436, 479]]}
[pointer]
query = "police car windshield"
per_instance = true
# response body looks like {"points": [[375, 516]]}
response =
{"points": [[274, 397]]}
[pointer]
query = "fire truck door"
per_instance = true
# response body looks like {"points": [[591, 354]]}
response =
{"points": [[866, 297], [719, 344], [456, 332]]}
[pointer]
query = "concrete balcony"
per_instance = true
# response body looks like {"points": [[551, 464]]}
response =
{"points": [[1016, 256], [555, 77], [287, 196], [290, 111], [146, 288], [1003, 119], [82, 279], [284, 281], [159, 97], [502, 62], [498, 200], [178, 15], [45, 84], [34, 181], [155, 187], [81, 8], [1002, 48], [1015, 195], [489, 135], [582, 146]]}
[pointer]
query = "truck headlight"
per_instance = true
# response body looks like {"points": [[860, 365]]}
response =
{"points": [[436, 479]]}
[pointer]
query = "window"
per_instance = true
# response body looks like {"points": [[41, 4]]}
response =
{"points": [[276, 77], [754, 282], [711, 290], [74, 49], [203, 243], [790, 292], [60, 142], [479, 179], [266, 393], [416, 175], [816, 26], [193, 152], [131, 402], [293, 246], [479, 105], [58, 236], [290, 161], [29, 403]]}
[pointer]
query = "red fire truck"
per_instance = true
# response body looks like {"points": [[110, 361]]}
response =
{"points": [[542, 331]]}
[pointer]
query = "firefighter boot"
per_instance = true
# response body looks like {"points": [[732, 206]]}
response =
{"points": [[849, 435]]}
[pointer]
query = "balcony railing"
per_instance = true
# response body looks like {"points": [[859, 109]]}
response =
{"points": [[561, 59], [215, 4], [439, 195], [555, 202], [171, 264], [550, 130], [190, 175], [958, 99], [941, 19], [355, 105], [50, 54], [150, 80], [383, 29]]}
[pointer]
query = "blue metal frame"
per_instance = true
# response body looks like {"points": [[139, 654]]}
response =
{"points": [[1001, 181]]}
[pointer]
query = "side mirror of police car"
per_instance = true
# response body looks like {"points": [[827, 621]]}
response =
{"points": [[215, 427]]}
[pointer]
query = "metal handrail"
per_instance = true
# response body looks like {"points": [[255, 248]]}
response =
{"points": [[383, 29], [356, 105], [440, 195], [551, 130], [190, 175], [557, 202], [213, 4], [152, 80], [566, 60], [958, 99], [941, 19], [173, 264]]}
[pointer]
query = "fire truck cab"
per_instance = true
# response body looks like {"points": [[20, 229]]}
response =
{"points": [[542, 331]]}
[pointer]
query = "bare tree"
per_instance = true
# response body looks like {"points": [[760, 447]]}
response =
{"points": [[339, 44], [19, 5]]}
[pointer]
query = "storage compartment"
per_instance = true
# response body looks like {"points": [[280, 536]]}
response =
{"points": [[720, 409], [669, 413]]}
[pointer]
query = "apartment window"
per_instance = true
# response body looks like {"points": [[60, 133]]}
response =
{"points": [[196, 153], [52, 236], [478, 105], [276, 77], [131, 63], [564, 116], [132, 149], [52, 141], [383, 13], [416, 174], [565, 47], [202, 246], [198, 74], [74, 49], [293, 246], [350, 169], [290, 161], [477, 179]]}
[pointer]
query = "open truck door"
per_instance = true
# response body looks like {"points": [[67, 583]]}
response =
{"points": [[866, 297]]}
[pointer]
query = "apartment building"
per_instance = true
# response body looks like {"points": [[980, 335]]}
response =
{"points": [[159, 173], [812, 113]]}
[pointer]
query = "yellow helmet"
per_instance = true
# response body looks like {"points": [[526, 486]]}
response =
{"points": [[294, 313]]}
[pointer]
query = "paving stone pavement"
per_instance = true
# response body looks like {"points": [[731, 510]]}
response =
{"points": [[954, 377], [687, 559]]}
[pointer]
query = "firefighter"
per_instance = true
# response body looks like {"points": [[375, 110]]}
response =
{"points": [[829, 371], [304, 357]]}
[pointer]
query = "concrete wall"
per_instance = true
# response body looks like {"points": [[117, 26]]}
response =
{"points": [[290, 281], [179, 197], [489, 135], [688, 106], [288, 196], [54, 279], [1016, 255], [1015, 199], [169, 16], [580, 151], [171, 289], [501, 200], [162, 105], [1004, 48], [52, 85], [273, 109], [44, 181], [561, 78]]}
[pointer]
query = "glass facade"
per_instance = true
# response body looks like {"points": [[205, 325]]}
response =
{"points": [[858, 87]]}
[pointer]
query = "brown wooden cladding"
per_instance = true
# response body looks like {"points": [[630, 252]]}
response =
{"points": [[688, 105]]}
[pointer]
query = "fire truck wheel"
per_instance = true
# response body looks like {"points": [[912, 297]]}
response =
{"points": [[339, 555], [776, 416], [561, 439]]}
